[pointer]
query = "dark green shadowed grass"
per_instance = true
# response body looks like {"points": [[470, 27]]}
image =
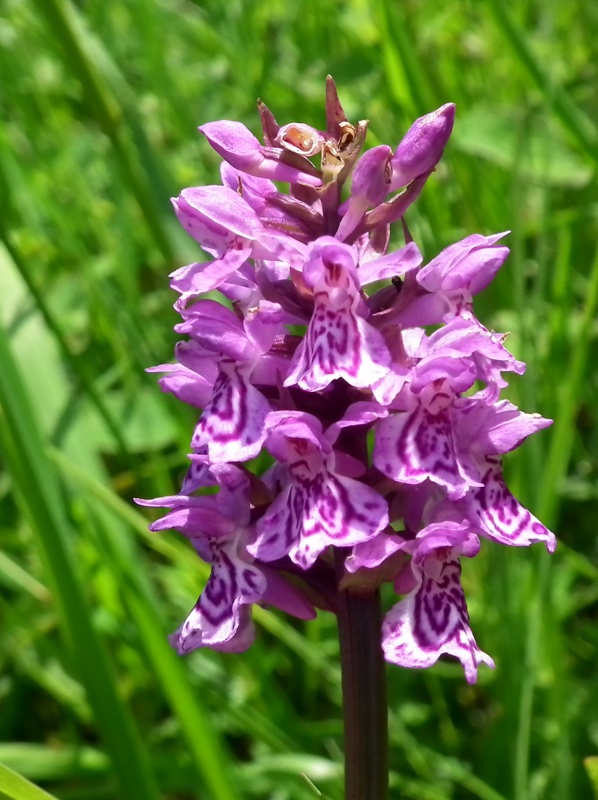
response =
{"points": [[99, 106]]}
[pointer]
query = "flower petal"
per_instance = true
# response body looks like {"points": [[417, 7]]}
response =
{"points": [[502, 516], [308, 517], [235, 143], [469, 264], [431, 621], [218, 615], [216, 216], [232, 425], [338, 344], [416, 445], [195, 279], [399, 262]]}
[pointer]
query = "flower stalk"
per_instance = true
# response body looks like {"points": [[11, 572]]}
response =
{"points": [[365, 707]]}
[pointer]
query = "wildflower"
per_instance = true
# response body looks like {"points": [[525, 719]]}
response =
{"points": [[432, 619], [318, 507], [304, 360]]}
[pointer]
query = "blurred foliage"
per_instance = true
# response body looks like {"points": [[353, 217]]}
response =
{"points": [[99, 103]]}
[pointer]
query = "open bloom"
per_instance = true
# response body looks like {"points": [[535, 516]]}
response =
{"points": [[339, 342], [219, 528], [432, 618], [318, 507], [384, 437]]}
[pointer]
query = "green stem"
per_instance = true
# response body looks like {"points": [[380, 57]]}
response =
{"points": [[364, 693]]}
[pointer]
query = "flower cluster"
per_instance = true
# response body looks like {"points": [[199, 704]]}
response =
{"points": [[384, 434]]}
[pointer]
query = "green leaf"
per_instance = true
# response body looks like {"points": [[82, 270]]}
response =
{"points": [[39, 494], [16, 787]]}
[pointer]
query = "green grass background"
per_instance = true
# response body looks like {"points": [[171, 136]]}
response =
{"points": [[99, 104]]}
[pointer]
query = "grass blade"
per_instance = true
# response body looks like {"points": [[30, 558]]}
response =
{"points": [[93, 68], [578, 124], [202, 740], [39, 494], [16, 787]]}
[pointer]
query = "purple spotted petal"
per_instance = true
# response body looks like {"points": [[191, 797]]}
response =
{"points": [[232, 425], [431, 621], [502, 517], [311, 515], [241, 641], [418, 445], [317, 507], [338, 344], [280, 527], [331, 267], [238, 643], [342, 512], [218, 615]]}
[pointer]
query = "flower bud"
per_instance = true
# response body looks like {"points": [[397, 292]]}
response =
{"points": [[421, 148], [237, 145]]}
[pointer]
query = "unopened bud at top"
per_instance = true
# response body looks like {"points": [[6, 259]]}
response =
{"points": [[421, 148]]}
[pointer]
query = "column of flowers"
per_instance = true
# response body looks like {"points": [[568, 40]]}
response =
{"points": [[363, 373]]}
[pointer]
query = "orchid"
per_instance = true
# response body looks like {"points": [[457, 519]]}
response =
{"points": [[301, 358]]}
